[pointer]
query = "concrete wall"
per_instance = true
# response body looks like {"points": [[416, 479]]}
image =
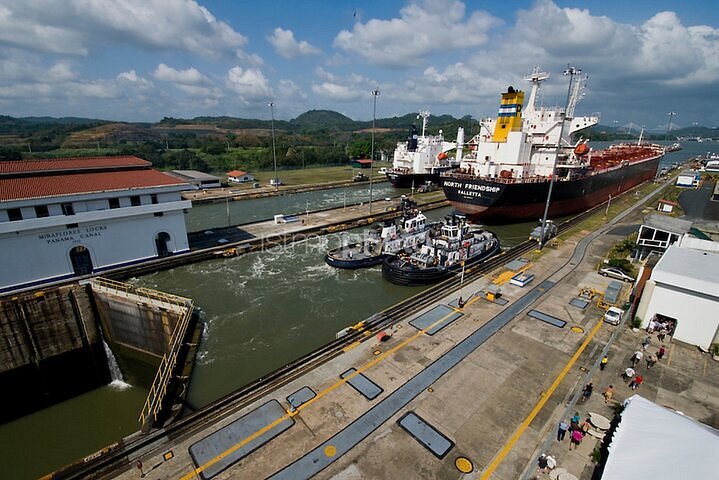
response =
{"points": [[50, 349], [697, 319]]}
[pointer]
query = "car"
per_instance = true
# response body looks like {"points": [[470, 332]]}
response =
{"points": [[616, 273], [613, 315]]}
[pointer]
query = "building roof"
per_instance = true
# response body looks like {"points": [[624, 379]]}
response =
{"points": [[55, 165], [193, 175], [236, 173], [654, 442], [363, 161], [21, 188], [667, 224], [689, 269]]}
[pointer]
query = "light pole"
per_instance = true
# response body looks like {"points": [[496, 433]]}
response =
{"points": [[669, 125], [375, 94], [571, 71], [274, 153]]}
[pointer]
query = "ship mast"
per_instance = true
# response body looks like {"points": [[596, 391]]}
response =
{"points": [[424, 115], [536, 77]]}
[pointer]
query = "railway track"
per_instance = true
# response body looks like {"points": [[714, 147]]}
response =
{"points": [[117, 456]]}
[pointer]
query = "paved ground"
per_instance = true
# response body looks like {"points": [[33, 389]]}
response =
{"points": [[499, 406]]}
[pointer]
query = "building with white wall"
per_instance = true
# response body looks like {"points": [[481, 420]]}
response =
{"points": [[684, 289], [61, 218]]}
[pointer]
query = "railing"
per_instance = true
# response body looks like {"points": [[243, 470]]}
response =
{"points": [[158, 390]]}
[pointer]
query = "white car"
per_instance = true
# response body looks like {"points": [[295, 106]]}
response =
{"points": [[616, 273], [613, 315]]}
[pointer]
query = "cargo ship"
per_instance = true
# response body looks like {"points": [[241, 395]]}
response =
{"points": [[422, 158], [517, 158]]}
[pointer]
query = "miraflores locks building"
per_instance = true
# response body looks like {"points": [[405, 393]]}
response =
{"points": [[65, 217]]}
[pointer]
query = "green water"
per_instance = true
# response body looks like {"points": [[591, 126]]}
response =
{"points": [[262, 310]]}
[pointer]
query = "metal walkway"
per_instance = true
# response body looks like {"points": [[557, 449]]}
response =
{"points": [[319, 458]]}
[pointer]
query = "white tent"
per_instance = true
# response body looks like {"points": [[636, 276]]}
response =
{"points": [[654, 443]]}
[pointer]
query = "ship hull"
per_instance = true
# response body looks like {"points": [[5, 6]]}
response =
{"points": [[409, 180], [495, 202]]}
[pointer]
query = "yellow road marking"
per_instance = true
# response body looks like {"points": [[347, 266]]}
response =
{"points": [[321, 394], [538, 407], [330, 450]]}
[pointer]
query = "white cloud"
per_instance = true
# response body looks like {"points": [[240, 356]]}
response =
{"points": [[73, 26], [423, 28], [190, 76], [285, 44], [334, 91], [249, 83], [287, 89]]}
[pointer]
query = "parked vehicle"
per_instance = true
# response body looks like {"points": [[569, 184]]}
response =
{"points": [[613, 315], [616, 273]]}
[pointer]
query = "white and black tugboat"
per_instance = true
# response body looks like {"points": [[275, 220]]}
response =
{"points": [[393, 237], [422, 158], [458, 245]]}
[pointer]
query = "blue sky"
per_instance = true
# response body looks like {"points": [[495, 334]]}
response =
{"points": [[141, 60]]}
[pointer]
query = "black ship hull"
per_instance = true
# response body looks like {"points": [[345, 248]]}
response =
{"points": [[400, 272], [512, 201], [409, 180], [341, 257]]}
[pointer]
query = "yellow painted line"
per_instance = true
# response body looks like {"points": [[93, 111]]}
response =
{"points": [[669, 360], [538, 407], [351, 346], [191, 474]]}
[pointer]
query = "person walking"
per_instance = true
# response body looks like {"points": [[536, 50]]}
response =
{"points": [[662, 333], [603, 363], [562, 430], [646, 342], [587, 392], [636, 382], [651, 360], [576, 438], [661, 352], [628, 374], [608, 393], [637, 357]]}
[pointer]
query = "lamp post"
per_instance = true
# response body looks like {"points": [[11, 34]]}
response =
{"points": [[571, 72], [375, 94], [669, 125], [274, 153]]}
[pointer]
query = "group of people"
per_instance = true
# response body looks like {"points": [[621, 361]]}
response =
{"points": [[576, 430]]}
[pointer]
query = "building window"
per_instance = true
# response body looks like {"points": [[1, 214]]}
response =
{"points": [[114, 202], [154, 198], [14, 214], [159, 214], [71, 225], [41, 211], [135, 201], [67, 209]]}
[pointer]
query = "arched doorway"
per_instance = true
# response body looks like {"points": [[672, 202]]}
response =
{"points": [[81, 260], [161, 241]]}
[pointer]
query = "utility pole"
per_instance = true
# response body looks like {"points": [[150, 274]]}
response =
{"points": [[571, 72], [669, 125], [375, 94], [274, 153]]}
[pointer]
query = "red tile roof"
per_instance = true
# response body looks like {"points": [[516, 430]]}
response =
{"points": [[81, 163], [18, 188], [236, 173]]}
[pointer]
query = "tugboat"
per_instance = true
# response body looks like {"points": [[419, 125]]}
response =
{"points": [[458, 246], [384, 241], [422, 158]]}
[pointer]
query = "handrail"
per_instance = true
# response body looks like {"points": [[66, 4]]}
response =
{"points": [[158, 389]]}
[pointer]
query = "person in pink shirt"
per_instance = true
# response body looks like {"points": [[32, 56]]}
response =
{"points": [[576, 438]]}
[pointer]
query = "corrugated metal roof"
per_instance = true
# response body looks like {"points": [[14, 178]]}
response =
{"points": [[689, 269], [667, 224], [236, 173], [20, 188], [80, 163], [193, 175]]}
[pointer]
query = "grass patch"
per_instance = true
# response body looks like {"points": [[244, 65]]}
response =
{"points": [[313, 175]]}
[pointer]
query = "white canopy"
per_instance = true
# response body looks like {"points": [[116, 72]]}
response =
{"points": [[654, 442]]}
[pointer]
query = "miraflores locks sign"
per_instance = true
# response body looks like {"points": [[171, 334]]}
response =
{"points": [[73, 234]]}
